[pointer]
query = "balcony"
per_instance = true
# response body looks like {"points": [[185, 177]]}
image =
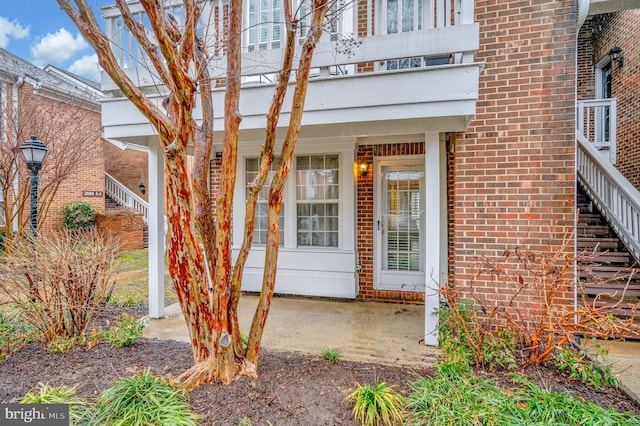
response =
{"points": [[379, 82]]}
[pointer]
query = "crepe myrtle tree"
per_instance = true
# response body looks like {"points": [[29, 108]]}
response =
{"points": [[206, 279]]}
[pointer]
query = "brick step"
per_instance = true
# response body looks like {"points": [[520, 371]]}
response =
{"points": [[598, 243], [145, 236]]}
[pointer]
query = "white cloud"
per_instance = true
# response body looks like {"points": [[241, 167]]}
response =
{"points": [[87, 66], [57, 47], [11, 29]]}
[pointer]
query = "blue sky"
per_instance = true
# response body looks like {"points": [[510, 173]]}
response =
{"points": [[39, 32]]}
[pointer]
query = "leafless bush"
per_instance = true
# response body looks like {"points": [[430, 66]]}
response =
{"points": [[535, 306], [60, 281]]}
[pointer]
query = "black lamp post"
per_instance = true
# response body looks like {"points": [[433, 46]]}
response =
{"points": [[34, 152]]}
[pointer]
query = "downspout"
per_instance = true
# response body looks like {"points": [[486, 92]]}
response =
{"points": [[14, 142], [583, 12]]}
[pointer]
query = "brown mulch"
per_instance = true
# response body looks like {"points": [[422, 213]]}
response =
{"points": [[292, 389]]}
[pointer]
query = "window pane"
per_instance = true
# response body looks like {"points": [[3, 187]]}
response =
{"points": [[392, 16], [407, 15], [316, 184], [260, 225]]}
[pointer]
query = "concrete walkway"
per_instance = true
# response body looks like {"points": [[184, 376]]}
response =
{"points": [[383, 333], [624, 358]]}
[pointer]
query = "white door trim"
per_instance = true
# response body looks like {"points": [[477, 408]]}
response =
{"points": [[391, 280]]}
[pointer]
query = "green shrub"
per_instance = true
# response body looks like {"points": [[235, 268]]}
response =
{"points": [[13, 333], [125, 331], [579, 366], [78, 216], [46, 394], [3, 237], [476, 400], [245, 421], [375, 404], [142, 400], [332, 355]]}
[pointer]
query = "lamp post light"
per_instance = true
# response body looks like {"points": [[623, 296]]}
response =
{"points": [[34, 152]]}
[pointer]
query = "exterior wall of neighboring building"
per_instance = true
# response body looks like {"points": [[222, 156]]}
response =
{"points": [[69, 130], [128, 167], [512, 175], [597, 36]]}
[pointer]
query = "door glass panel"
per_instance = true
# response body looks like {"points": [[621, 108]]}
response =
{"points": [[401, 217]]}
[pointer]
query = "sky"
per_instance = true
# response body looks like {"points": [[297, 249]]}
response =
{"points": [[40, 32]]}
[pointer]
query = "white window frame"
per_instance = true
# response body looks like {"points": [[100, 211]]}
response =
{"points": [[312, 202], [346, 195]]}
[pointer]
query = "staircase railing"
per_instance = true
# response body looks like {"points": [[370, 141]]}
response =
{"points": [[611, 192], [596, 121], [125, 197]]}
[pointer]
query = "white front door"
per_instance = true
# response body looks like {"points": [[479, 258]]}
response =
{"points": [[399, 224]]}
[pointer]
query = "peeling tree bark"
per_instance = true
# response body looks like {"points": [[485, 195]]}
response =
{"points": [[199, 233]]}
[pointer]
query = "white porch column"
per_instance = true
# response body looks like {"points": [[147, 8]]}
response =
{"points": [[435, 231], [156, 231]]}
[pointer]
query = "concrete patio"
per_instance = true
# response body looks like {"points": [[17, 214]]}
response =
{"points": [[377, 332]]}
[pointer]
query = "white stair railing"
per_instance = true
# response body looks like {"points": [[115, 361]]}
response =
{"points": [[611, 192], [125, 197]]}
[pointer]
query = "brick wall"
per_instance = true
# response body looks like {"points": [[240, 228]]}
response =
{"points": [[72, 133], [364, 219], [606, 31], [124, 225], [131, 168], [513, 171]]}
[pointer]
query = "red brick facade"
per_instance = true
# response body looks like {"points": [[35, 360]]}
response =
{"points": [[63, 127], [128, 167], [513, 171], [597, 36]]}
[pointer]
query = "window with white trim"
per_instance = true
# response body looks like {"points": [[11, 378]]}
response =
{"points": [[252, 166], [317, 198]]}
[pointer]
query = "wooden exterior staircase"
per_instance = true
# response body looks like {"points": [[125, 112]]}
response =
{"points": [[606, 269]]}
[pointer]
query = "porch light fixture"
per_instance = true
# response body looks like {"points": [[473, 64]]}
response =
{"points": [[614, 55], [142, 188], [363, 169], [34, 152]]}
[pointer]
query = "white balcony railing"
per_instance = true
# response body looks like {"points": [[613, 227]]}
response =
{"points": [[403, 33], [596, 121]]}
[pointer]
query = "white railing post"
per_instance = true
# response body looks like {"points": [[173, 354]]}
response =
{"points": [[596, 121]]}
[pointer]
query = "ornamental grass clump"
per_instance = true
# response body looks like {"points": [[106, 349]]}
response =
{"points": [[377, 404], [142, 400], [46, 394]]}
